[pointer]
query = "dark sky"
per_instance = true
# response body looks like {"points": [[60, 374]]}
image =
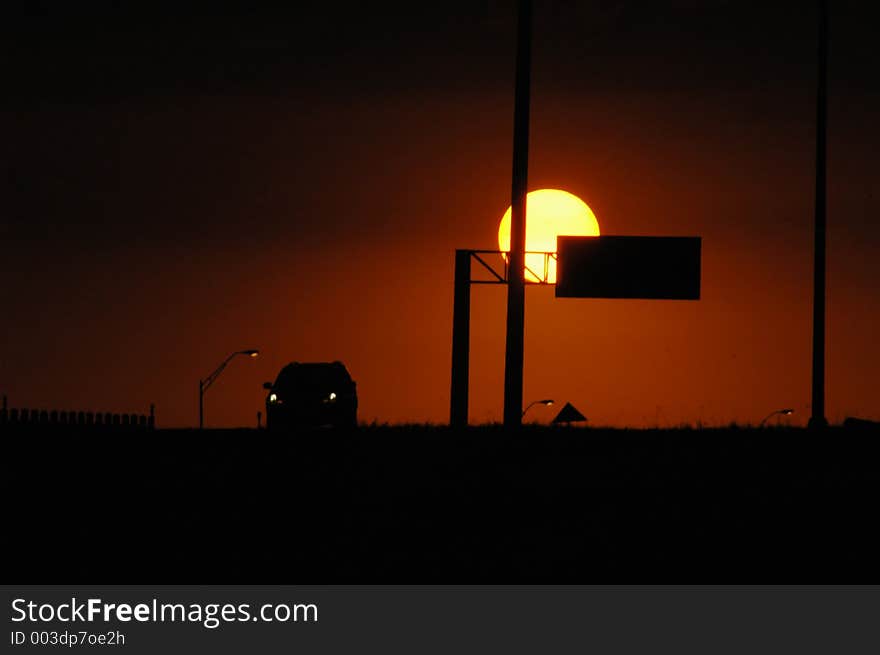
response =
{"points": [[180, 183]]}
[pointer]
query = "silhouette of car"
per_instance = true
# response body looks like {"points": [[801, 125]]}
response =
{"points": [[311, 395]]}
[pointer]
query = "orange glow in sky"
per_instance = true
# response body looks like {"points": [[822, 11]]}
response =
{"points": [[549, 213]]}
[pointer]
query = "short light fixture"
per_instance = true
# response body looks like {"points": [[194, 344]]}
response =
{"points": [[780, 412], [547, 402]]}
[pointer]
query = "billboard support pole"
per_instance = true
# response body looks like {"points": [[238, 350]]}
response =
{"points": [[461, 318]]}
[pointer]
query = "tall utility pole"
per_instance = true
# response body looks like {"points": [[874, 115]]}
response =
{"points": [[513, 360], [817, 419]]}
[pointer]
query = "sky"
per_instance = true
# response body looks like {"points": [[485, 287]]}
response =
{"points": [[178, 184]]}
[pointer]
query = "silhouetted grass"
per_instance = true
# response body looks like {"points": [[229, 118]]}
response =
{"points": [[428, 503]]}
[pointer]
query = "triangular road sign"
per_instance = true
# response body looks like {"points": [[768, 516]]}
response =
{"points": [[569, 414]]}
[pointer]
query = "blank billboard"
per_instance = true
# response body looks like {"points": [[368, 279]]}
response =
{"points": [[653, 268]]}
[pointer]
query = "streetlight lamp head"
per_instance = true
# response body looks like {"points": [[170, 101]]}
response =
{"points": [[787, 412], [547, 402], [250, 353]]}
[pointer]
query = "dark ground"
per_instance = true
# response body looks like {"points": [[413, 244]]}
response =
{"points": [[431, 505]]}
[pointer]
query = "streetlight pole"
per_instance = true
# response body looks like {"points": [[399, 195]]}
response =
{"points": [[208, 381]]}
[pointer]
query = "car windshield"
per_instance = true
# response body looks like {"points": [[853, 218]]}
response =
{"points": [[317, 377]]}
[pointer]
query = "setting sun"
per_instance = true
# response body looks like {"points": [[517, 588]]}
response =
{"points": [[549, 213]]}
